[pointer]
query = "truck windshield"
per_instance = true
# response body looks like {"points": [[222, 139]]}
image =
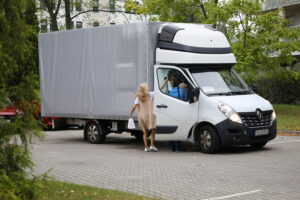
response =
{"points": [[220, 82]]}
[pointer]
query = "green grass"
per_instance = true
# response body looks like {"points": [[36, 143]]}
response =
{"points": [[288, 117], [54, 190]]}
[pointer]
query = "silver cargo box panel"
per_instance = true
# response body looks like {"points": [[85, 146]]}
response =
{"points": [[94, 72]]}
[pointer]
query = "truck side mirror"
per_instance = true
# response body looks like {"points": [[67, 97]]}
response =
{"points": [[194, 95]]}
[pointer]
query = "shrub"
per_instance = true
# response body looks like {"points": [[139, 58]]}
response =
{"points": [[19, 84], [281, 87], [17, 186]]}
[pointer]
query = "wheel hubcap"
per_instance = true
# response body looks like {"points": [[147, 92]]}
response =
{"points": [[205, 139], [93, 132]]}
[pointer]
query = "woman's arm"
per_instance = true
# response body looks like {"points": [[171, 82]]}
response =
{"points": [[164, 84], [133, 109]]}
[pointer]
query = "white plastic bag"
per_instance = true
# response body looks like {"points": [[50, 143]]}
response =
{"points": [[131, 124]]}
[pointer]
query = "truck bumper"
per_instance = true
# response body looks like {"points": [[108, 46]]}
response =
{"points": [[237, 134]]}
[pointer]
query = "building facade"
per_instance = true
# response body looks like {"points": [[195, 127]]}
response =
{"points": [[88, 13], [291, 11]]}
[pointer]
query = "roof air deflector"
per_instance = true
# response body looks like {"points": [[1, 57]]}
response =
{"points": [[168, 33]]}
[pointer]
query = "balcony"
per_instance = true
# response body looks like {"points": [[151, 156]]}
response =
{"points": [[273, 4]]}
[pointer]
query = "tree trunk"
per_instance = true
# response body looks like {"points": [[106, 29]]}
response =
{"points": [[69, 24], [53, 11], [246, 31], [203, 11], [53, 25]]}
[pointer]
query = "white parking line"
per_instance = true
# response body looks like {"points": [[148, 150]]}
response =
{"points": [[284, 142], [234, 195]]}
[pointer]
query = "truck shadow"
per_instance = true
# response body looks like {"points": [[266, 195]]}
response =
{"points": [[186, 147], [243, 149], [130, 142]]}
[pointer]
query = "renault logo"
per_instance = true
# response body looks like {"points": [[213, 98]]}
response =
{"points": [[259, 114]]}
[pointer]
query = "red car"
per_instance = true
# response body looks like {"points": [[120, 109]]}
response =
{"points": [[10, 112]]}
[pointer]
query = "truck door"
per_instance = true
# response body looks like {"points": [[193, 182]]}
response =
{"points": [[175, 115]]}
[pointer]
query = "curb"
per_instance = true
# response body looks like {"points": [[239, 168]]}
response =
{"points": [[288, 133]]}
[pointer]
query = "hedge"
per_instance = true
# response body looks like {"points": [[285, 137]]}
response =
{"points": [[281, 87]]}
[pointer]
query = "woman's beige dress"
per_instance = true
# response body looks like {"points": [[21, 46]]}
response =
{"points": [[146, 117]]}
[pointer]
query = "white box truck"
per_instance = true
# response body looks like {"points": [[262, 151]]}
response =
{"points": [[93, 74]]}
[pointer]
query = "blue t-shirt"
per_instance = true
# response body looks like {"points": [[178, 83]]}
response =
{"points": [[178, 93]]}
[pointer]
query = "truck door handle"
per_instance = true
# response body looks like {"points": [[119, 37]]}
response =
{"points": [[162, 106]]}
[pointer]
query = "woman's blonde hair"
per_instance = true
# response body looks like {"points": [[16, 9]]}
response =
{"points": [[143, 92]]}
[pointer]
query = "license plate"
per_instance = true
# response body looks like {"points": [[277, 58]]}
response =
{"points": [[261, 132]]}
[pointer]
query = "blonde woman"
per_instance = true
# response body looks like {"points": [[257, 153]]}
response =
{"points": [[146, 117]]}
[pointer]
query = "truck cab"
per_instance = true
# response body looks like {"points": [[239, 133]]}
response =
{"points": [[218, 109]]}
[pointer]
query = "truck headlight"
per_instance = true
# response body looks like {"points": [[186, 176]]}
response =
{"points": [[230, 113], [273, 115]]}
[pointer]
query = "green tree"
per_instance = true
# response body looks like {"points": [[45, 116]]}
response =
{"points": [[260, 41], [169, 10], [19, 83], [53, 7]]}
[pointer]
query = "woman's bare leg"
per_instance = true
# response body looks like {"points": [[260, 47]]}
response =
{"points": [[145, 139], [152, 137]]}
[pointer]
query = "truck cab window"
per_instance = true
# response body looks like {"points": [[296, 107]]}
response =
{"points": [[220, 82], [172, 83]]}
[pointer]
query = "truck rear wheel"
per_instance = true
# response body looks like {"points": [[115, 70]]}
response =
{"points": [[209, 140], [93, 133]]}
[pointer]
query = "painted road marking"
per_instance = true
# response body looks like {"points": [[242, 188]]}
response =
{"points": [[284, 142], [234, 195]]}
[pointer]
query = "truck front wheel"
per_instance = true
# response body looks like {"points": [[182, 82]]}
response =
{"points": [[208, 140], [93, 133]]}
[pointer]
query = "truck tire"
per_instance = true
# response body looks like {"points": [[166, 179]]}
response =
{"points": [[209, 141], [93, 133], [259, 145]]}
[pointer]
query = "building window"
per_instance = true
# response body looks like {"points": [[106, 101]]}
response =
{"points": [[44, 27], [112, 5], [51, 27], [78, 24], [78, 5], [43, 5], [95, 5], [292, 21], [96, 23]]}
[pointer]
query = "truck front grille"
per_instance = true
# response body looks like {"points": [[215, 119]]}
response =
{"points": [[253, 120]]}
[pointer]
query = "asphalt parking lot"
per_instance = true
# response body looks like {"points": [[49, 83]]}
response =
{"points": [[238, 173]]}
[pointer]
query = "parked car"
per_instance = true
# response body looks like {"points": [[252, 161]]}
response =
{"points": [[9, 114]]}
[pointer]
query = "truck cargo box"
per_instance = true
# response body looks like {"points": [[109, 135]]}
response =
{"points": [[94, 73]]}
